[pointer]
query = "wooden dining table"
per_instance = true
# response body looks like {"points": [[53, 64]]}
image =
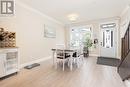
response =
{"points": [[70, 51]]}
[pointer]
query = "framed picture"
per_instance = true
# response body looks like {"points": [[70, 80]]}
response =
{"points": [[49, 32]]}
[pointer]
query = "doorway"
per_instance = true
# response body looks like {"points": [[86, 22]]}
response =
{"points": [[108, 40]]}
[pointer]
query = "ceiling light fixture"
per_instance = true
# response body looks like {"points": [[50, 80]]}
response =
{"points": [[73, 17]]}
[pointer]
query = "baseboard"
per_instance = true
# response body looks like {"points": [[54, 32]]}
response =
{"points": [[93, 55], [35, 61]]}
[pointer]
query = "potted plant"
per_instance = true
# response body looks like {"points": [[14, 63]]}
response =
{"points": [[87, 44]]}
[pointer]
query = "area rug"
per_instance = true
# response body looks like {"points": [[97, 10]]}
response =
{"points": [[108, 61]]}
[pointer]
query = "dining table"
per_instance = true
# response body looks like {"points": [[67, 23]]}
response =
{"points": [[71, 52]]}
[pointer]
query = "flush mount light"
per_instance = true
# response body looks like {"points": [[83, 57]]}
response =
{"points": [[73, 17]]}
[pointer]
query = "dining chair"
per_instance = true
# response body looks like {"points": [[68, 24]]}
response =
{"points": [[61, 56], [78, 57], [81, 55]]}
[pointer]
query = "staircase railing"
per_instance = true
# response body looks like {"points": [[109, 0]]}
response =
{"points": [[124, 67], [125, 45]]}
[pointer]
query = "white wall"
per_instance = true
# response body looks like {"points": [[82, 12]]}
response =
{"points": [[29, 27], [125, 19]]}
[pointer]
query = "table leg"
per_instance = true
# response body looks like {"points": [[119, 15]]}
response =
{"points": [[71, 62], [53, 54]]}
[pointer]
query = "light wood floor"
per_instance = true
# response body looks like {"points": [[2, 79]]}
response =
{"points": [[89, 75]]}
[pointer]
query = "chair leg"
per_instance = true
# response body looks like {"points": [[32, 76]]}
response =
{"points": [[77, 62], [82, 59], [63, 65], [71, 66], [68, 62], [56, 65], [57, 62], [74, 60]]}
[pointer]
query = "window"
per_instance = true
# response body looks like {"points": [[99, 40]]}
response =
{"points": [[79, 35]]}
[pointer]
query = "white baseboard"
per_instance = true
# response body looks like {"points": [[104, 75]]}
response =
{"points": [[94, 55], [35, 61]]}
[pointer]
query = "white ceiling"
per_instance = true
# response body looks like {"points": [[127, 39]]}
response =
{"points": [[86, 9]]}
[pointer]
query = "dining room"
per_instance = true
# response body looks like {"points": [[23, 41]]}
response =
{"points": [[80, 46], [64, 43]]}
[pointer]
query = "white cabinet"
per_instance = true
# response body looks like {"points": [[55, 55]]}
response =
{"points": [[2, 64], [8, 61]]}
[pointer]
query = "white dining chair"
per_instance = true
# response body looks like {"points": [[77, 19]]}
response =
{"points": [[61, 57], [78, 57]]}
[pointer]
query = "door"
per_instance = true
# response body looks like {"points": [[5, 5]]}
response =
{"points": [[108, 41], [79, 35]]}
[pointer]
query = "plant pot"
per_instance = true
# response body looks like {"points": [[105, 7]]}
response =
{"points": [[85, 52]]}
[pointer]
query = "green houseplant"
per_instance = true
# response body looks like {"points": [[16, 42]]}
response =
{"points": [[87, 44]]}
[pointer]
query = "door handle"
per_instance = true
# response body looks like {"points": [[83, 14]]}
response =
{"points": [[101, 43]]}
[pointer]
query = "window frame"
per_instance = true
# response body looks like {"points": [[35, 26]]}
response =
{"points": [[80, 27]]}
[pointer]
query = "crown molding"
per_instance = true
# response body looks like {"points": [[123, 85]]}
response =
{"points": [[93, 21], [19, 3], [125, 10]]}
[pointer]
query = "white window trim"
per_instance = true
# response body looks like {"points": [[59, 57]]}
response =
{"points": [[81, 26]]}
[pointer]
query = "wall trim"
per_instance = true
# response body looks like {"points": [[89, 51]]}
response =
{"points": [[96, 55], [37, 11], [35, 61], [125, 10], [93, 21]]}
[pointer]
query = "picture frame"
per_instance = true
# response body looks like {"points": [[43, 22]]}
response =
{"points": [[49, 32]]}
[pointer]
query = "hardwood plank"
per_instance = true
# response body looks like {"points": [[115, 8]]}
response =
{"points": [[88, 75]]}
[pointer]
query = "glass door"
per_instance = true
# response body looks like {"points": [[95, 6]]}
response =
{"points": [[79, 35]]}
